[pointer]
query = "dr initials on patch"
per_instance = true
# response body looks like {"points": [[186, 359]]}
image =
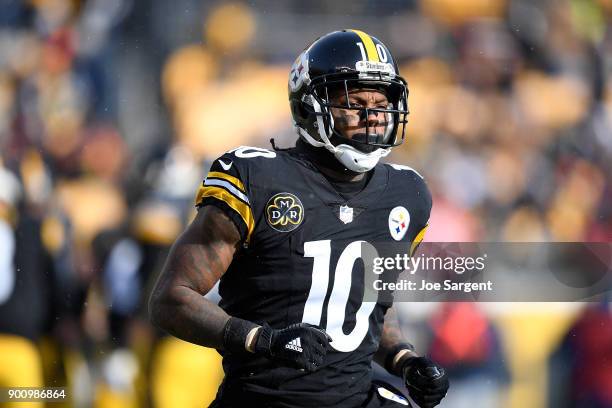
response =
{"points": [[284, 212]]}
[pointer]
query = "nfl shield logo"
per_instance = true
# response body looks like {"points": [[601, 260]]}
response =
{"points": [[346, 214]]}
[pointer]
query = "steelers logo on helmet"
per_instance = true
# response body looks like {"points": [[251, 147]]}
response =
{"points": [[298, 76], [284, 212]]}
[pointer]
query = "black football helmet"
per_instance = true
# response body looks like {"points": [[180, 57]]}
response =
{"points": [[338, 62]]}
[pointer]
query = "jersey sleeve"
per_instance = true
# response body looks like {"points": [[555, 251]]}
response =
{"points": [[422, 207], [417, 240], [425, 194], [224, 187]]}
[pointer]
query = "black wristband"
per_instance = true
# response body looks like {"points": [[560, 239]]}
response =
{"points": [[235, 334], [393, 352], [263, 345]]}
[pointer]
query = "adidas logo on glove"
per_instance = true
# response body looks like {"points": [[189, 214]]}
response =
{"points": [[295, 345]]}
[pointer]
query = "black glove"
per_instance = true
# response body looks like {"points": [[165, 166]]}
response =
{"points": [[427, 382], [299, 345]]}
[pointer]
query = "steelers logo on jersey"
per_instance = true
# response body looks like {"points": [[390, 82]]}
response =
{"points": [[284, 212], [399, 220]]}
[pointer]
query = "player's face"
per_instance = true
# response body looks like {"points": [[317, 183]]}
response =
{"points": [[351, 123]]}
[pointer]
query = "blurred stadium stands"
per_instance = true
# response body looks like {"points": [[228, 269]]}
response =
{"points": [[111, 111]]}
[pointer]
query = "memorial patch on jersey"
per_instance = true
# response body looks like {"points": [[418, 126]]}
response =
{"points": [[399, 220], [284, 212]]}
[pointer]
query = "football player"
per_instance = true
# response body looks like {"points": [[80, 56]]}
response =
{"points": [[283, 232]]}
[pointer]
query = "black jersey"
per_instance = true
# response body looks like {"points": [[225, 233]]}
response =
{"points": [[300, 262]]}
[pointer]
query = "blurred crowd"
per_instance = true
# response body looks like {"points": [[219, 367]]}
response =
{"points": [[111, 112]]}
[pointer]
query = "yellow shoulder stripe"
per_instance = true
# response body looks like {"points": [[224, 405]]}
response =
{"points": [[241, 208], [227, 177], [417, 240], [369, 45]]}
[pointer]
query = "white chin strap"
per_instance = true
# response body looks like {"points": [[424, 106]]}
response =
{"points": [[349, 156]]}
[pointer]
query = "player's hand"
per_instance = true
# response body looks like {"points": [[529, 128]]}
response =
{"points": [[300, 345], [427, 382]]}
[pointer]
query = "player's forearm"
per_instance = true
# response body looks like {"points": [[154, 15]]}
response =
{"points": [[188, 315], [391, 350]]}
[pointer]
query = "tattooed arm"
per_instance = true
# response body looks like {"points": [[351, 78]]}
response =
{"points": [[390, 351], [197, 260]]}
